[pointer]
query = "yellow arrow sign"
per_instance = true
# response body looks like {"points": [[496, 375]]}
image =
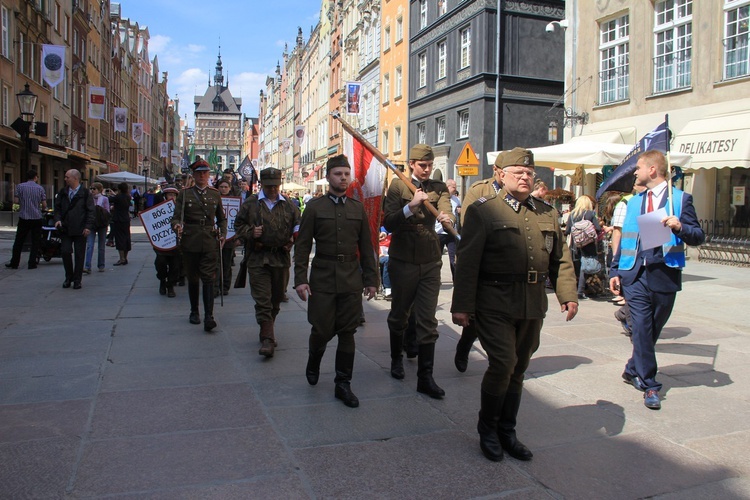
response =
{"points": [[467, 158]]}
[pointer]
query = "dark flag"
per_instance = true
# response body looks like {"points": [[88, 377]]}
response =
{"points": [[185, 162], [247, 171], [623, 178]]}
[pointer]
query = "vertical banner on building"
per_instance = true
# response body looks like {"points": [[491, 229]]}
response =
{"points": [[137, 132], [286, 146], [353, 94], [96, 102], [174, 157], [121, 119], [164, 150], [53, 64], [299, 134]]}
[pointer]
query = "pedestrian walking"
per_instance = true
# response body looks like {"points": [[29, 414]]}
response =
{"points": [[510, 244], [200, 225], [99, 234], [121, 223], [650, 278], [268, 223], [414, 263], [344, 265], [74, 220], [32, 199]]}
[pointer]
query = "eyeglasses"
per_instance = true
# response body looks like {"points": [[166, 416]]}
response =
{"points": [[518, 174], [92, 189]]}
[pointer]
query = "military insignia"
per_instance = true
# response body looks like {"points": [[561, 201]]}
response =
{"points": [[482, 200], [525, 160], [549, 240], [530, 203], [512, 203]]}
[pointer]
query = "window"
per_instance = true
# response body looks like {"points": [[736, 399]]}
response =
{"points": [[386, 38], [421, 134], [736, 38], [463, 124], [422, 14], [6, 31], [465, 47], [56, 17], [6, 104], [442, 50], [399, 79], [673, 43], [422, 69], [385, 142], [397, 140], [386, 88], [21, 54], [440, 128], [66, 28], [442, 7], [399, 29], [614, 67]]}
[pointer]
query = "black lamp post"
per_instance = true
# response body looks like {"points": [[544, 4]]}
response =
{"points": [[27, 104], [145, 180]]}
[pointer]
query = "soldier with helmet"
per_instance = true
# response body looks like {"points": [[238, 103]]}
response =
{"points": [[201, 225], [510, 244]]}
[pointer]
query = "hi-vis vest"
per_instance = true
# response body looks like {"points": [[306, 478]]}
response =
{"points": [[674, 249]]}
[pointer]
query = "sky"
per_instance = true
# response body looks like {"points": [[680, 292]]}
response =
{"points": [[185, 35]]}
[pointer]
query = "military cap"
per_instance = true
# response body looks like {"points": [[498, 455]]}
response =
{"points": [[170, 189], [200, 166], [421, 152], [516, 156], [270, 176], [337, 161]]}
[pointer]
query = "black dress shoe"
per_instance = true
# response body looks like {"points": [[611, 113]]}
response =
{"points": [[195, 318], [77, 285], [344, 392], [11, 266], [67, 283], [516, 448], [633, 380]]}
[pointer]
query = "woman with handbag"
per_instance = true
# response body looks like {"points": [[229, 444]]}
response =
{"points": [[583, 248]]}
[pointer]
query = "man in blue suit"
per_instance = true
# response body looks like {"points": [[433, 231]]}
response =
{"points": [[651, 278]]}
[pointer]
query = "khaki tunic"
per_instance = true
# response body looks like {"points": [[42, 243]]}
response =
{"points": [[278, 227], [483, 188]]}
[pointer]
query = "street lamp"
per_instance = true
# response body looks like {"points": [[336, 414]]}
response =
{"points": [[145, 182], [27, 104]]}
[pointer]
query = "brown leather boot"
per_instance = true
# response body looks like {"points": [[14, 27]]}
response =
{"points": [[267, 339]]}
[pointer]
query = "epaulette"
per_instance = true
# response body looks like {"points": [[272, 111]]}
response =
{"points": [[543, 201], [483, 199]]}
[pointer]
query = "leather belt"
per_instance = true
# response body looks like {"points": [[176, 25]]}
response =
{"points": [[531, 277], [337, 258]]}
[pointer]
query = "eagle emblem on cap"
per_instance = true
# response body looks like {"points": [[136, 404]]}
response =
{"points": [[525, 160]]}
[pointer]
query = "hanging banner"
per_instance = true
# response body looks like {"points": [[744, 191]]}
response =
{"points": [[121, 119], [353, 90], [137, 132], [174, 157], [163, 150], [286, 146], [157, 221], [231, 206], [299, 134], [96, 102], [53, 64]]}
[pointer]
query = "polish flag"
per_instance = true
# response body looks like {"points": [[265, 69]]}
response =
{"points": [[368, 183]]}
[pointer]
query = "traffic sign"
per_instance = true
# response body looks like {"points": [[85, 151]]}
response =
{"points": [[466, 171], [467, 158]]}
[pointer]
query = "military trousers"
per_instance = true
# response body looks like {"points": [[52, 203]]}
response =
{"points": [[415, 288], [509, 343], [267, 287], [334, 314], [200, 266]]}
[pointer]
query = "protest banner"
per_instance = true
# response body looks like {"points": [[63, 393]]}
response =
{"points": [[157, 221], [231, 207]]}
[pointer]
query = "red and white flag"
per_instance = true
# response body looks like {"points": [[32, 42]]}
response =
{"points": [[368, 183]]}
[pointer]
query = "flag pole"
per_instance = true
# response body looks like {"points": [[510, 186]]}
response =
{"points": [[382, 159], [670, 207]]}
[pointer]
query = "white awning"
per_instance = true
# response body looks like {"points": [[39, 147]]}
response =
{"points": [[619, 136], [716, 141]]}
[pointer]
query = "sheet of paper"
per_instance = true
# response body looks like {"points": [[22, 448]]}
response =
{"points": [[651, 231]]}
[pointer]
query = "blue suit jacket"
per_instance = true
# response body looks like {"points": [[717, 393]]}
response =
{"points": [[660, 277]]}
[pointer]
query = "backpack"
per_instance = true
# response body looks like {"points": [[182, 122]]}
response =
{"points": [[583, 233], [101, 217]]}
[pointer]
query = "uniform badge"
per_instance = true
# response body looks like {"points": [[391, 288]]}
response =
{"points": [[549, 240]]}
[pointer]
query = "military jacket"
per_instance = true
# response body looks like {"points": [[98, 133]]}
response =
{"points": [[414, 239], [278, 228], [482, 188], [202, 220], [502, 236], [338, 230]]}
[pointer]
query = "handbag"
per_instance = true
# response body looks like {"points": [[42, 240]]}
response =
{"points": [[590, 265]]}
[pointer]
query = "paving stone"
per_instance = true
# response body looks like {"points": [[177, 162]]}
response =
{"points": [[37, 469], [35, 421]]}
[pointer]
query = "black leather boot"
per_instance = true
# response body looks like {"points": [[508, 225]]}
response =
{"points": [[489, 441], [193, 292], [162, 287], [425, 383], [410, 338], [463, 348], [312, 372], [209, 323], [344, 368], [506, 428], [397, 359]]}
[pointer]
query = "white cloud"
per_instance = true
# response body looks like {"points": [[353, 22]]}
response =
{"points": [[158, 43]]}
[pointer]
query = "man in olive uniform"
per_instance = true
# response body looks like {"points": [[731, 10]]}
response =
{"points": [[344, 265], [201, 225], [484, 188], [510, 244], [414, 262], [268, 223]]}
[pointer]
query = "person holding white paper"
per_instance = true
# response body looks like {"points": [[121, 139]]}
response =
{"points": [[650, 278]]}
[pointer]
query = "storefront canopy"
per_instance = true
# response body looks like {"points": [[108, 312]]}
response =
{"points": [[128, 177], [716, 141]]}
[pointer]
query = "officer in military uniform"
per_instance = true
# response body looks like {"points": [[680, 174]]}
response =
{"points": [[509, 246], [201, 225], [484, 188], [414, 263], [268, 223]]}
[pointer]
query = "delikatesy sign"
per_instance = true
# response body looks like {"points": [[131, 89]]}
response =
{"points": [[157, 221]]}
